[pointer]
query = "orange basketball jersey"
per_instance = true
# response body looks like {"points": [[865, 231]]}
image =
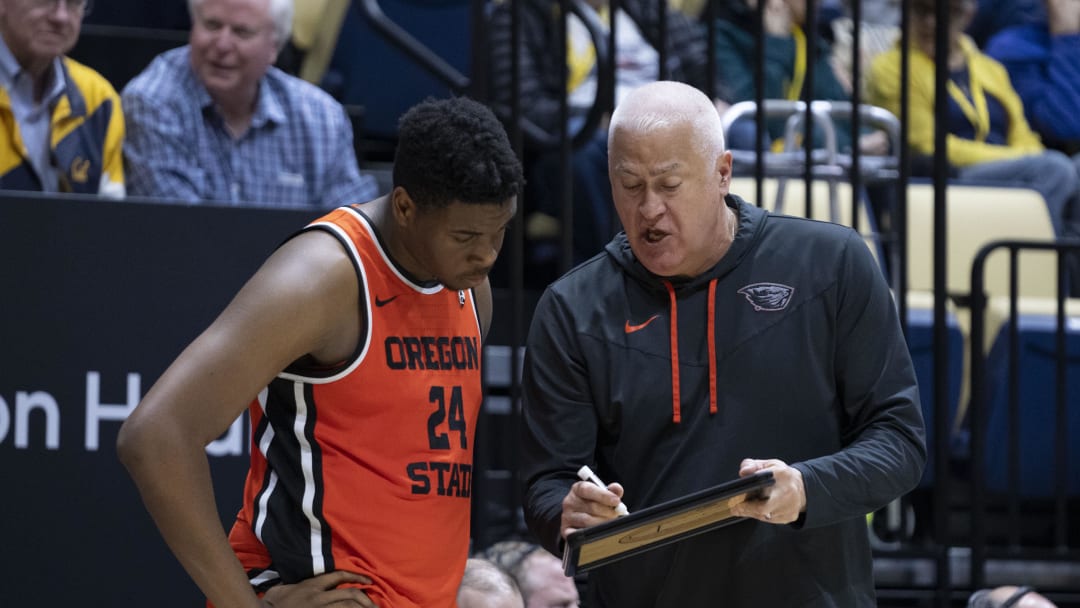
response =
{"points": [[367, 467]]}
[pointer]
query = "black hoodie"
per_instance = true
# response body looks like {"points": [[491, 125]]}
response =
{"points": [[789, 347]]}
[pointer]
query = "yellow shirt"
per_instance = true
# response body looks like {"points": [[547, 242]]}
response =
{"points": [[988, 77]]}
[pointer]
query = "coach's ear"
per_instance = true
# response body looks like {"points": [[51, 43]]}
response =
{"points": [[723, 169]]}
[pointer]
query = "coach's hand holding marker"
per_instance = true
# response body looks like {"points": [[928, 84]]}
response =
{"points": [[586, 474]]}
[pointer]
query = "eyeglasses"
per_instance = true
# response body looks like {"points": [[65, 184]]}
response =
{"points": [[75, 7]]}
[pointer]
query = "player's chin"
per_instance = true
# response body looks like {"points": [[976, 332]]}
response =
{"points": [[467, 281]]}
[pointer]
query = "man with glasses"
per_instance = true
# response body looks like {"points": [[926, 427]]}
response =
{"points": [[62, 124], [215, 121]]}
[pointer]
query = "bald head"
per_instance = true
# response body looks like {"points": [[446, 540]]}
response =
{"points": [[665, 104], [485, 585]]}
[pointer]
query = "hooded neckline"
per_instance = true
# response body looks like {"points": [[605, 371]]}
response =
{"points": [[751, 220]]}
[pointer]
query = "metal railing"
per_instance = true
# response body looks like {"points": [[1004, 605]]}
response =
{"points": [[1023, 409]]}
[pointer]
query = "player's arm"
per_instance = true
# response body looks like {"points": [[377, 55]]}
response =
{"points": [[298, 303]]}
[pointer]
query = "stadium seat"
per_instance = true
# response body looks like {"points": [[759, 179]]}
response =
{"points": [[789, 195], [120, 53], [976, 216], [365, 61], [1035, 423], [920, 327]]}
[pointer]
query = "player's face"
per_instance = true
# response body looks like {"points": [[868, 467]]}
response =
{"points": [[232, 45], [38, 31], [669, 197], [457, 244]]}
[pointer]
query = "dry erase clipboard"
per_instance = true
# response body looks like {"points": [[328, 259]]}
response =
{"points": [[660, 524]]}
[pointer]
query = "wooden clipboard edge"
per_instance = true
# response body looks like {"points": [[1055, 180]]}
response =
{"points": [[723, 492]]}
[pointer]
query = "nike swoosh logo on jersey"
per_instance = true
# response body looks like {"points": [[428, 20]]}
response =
{"points": [[381, 303], [632, 328]]}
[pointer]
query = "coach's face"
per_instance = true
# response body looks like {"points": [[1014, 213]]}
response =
{"points": [[233, 43], [669, 195]]}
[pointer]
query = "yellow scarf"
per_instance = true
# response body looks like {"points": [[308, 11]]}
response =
{"points": [[793, 90]]}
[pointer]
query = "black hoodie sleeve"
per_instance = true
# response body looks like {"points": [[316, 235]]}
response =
{"points": [[883, 435], [559, 425]]}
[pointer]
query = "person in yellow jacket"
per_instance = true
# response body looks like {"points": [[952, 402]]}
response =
{"points": [[989, 139], [61, 125]]}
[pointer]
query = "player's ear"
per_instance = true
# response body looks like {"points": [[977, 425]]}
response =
{"points": [[402, 206]]}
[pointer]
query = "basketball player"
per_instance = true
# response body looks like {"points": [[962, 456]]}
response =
{"points": [[356, 348]]}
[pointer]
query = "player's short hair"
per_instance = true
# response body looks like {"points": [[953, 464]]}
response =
{"points": [[455, 150]]}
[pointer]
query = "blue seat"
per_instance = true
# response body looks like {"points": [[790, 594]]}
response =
{"points": [[1037, 390], [368, 70], [921, 346]]}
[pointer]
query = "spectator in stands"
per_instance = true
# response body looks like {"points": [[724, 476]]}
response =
{"points": [[62, 124], [878, 12], [694, 351], [538, 574], [364, 439], [214, 121], [879, 28], [785, 69], [1042, 56], [1008, 596], [316, 27], [486, 585], [988, 140], [542, 86], [992, 16]]}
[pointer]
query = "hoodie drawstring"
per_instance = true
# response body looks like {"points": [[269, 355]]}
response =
{"points": [[676, 408], [710, 329], [676, 413]]}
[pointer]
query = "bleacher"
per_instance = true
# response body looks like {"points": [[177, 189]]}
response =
{"points": [[107, 292]]}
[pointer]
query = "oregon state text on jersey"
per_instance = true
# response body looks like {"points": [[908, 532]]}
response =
{"points": [[368, 467]]}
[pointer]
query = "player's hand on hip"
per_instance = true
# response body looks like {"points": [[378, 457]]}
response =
{"points": [[780, 503], [587, 504], [321, 591]]}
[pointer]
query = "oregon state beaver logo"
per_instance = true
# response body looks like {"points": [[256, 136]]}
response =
{"points": [[768, 297]]}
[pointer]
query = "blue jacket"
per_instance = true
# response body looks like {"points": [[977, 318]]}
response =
{"points": [[1045, 71]]}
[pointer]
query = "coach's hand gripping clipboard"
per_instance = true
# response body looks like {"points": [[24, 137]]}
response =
{"points": [[660, 524]]}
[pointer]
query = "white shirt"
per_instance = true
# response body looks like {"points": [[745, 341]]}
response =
{"points": [[637, 62]]}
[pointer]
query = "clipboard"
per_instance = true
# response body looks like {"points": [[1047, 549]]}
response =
{"points": [[660, 524]]}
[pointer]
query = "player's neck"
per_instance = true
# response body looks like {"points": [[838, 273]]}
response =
{"points": [[393, 238]]}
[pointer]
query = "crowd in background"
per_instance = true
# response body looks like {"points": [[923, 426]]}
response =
{"points": [[192, 127]]}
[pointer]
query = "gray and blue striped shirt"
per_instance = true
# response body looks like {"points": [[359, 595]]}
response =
{"points": [[297, 153]]}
